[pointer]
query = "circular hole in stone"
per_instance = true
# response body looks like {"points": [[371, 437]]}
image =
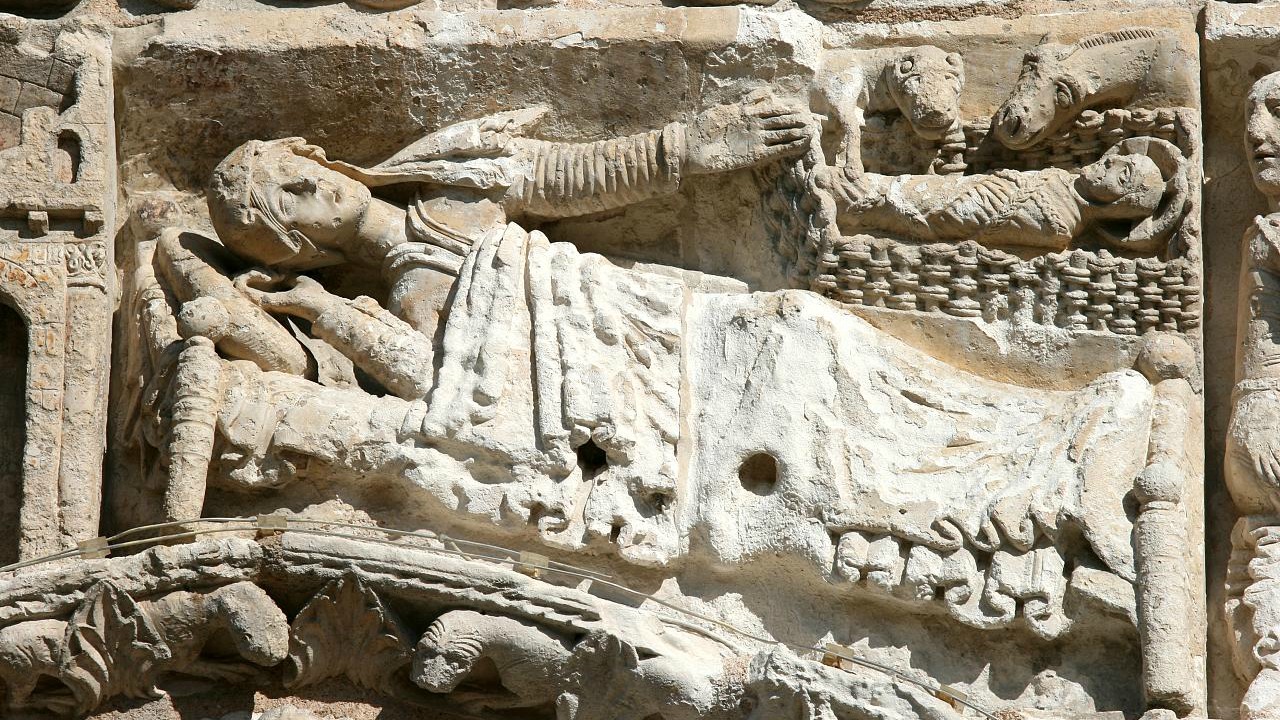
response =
{"points": [[759, 473]]}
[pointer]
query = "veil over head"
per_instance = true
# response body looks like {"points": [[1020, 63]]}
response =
{"points": [[1151, 232]]}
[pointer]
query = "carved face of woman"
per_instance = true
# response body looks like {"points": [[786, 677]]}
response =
{"points": [[1262, 134], [323, 205], [1130, 184]]}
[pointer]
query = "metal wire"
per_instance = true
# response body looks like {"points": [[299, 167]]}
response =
{"points": [[481, 551]]}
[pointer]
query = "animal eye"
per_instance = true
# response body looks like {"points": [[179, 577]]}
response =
{"points": [[1273, 105], [1063, 95], [906, 66]]}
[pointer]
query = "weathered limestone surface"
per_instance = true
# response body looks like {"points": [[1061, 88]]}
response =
{"points": [[57, 157], [627, 360]]}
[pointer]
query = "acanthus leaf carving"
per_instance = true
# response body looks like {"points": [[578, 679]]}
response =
{"points": [[111, 648], [347, 630]]}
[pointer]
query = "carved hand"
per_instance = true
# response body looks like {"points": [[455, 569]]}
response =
{"points": [[753, 132], [1253, 444], [306, 299]]}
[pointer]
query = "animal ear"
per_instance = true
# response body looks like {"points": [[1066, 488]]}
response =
{"points": [[1065, 94], [955, 61]]}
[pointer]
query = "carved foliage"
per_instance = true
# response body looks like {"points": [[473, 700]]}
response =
{"points": [[111, 648], [346, 629], [783, 686], [113, 645]]}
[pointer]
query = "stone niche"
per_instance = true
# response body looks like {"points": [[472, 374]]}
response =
{"points": [[753, 361]]}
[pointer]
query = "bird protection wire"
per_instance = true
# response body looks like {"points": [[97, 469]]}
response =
{"points": [[529, 563]]}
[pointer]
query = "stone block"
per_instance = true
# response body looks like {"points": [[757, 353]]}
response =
{"points": [[32, 95]]}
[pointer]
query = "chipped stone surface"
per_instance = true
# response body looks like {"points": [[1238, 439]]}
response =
{"points": [[780, 359]]}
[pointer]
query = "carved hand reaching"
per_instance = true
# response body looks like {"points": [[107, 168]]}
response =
{"points": [[307, 298], [755, 131]]}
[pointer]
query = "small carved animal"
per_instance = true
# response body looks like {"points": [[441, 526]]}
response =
{"points": [[491, 663], [141, 640], [1058, 82], [615, 680], [30, 651], [258, 629], [528, 660], [780, 685], [923, 83]]}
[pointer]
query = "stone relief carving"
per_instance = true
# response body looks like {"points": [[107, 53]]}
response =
{"points": [[1251, 469], [1058, 82], [55, 275], [599, 660], [1140, 182], [501, 374], [269, 199], [229, 397], [923, 84], [347, 630], [785, 687], [968, 399]]}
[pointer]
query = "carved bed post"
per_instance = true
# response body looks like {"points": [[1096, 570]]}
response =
{"points": [[197, 391], [1171, 652]]}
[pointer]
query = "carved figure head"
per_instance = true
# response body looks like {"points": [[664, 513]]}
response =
{"points": [[276, 203], [1128, 185], [1058, 82], [446, 653], [926, 87], [1262, 134], [1139, 189]]}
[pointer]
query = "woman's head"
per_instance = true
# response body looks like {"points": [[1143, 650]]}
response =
{"points": [[275, 202]]}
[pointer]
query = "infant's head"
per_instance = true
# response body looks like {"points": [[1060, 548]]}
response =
{"points": [[1128, 185]]}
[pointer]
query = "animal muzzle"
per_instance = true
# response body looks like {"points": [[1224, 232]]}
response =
{"points": [[1010, 127], [933, 121]]}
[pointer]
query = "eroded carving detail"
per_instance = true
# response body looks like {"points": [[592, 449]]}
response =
{"points": [[112, 645], [347, 630], [1253, 460]]}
